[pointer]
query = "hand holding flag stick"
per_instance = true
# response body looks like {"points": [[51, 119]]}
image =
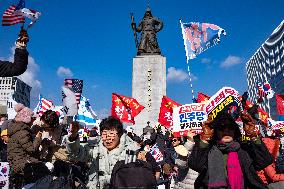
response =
{"points": [[23, 39]]}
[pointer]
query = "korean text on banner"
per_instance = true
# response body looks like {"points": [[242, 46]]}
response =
{"points": [[226, 99], [188, 116]]}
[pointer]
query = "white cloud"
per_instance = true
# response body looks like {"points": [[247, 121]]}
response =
{"points": [[64, 72], [178, 75], [30, 76], [205, 60], [231, 61]]}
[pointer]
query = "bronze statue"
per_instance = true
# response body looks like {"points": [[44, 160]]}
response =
{"points": [[148, 27]]}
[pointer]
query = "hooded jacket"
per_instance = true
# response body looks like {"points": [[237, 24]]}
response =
{"points": [[107, 159], [8, 69], [21, 147]]}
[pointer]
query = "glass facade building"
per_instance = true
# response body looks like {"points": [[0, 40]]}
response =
{"points": [[267, 64]]}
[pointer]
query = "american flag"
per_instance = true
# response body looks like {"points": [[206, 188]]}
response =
{"points": [[43, 105], [76, 85], [11, 15]]}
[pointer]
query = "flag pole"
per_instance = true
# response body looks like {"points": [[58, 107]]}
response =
{"points": [[188, 69], [190, 81]]}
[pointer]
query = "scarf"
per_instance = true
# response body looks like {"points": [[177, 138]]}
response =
{"points": [[217, 169]]}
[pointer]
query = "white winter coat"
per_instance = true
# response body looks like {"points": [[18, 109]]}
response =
{"points": [[107, 160], [191, 175]]}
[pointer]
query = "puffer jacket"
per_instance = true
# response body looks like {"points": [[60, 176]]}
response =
{"points": [[8, 69], [107, 159], [21, 147], [187, 176], [268, 175]]}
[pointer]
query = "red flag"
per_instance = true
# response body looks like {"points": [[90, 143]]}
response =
{"points": [[280, 103], [166, 111], [202, 97], [125, 108], [263, 115]]}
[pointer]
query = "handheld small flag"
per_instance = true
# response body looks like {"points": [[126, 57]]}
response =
{"points": [[265, 90], [31, 14], [12, 15], [43, 105]]}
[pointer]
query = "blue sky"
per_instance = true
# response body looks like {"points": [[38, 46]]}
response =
{"points": [[92, 40]]}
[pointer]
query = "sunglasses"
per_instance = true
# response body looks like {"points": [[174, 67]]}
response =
{"points": [[174, 140]]}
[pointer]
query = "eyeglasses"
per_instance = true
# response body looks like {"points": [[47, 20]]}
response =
{"points": [[109, 133]]}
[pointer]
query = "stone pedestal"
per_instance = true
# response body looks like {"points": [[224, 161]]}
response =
{"points": [[148, 88]]}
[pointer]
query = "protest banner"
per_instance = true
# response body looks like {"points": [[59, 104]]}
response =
{"points": [[11, 103], [226, 99], [188, 116]]}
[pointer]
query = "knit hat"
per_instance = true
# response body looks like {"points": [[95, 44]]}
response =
{"points": [[24, 114]]}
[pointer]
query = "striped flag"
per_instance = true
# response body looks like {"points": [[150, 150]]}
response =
{"points": [[12, 15], [76, 85], [43, 105]]}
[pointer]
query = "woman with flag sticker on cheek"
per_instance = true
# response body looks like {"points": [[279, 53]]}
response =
{"points": [[223, 160], [8, 69], [103, 152]]}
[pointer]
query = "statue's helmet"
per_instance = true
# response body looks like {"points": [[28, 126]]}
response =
{"points": [[148, 12]]}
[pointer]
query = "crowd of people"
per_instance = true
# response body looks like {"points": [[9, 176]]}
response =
{"points": [[40, 147], [43, 153]]}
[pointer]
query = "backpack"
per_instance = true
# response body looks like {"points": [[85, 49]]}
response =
{"points": [[134, 175]]}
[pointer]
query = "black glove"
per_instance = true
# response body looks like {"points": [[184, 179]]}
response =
{"points": [[23, 39]]}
